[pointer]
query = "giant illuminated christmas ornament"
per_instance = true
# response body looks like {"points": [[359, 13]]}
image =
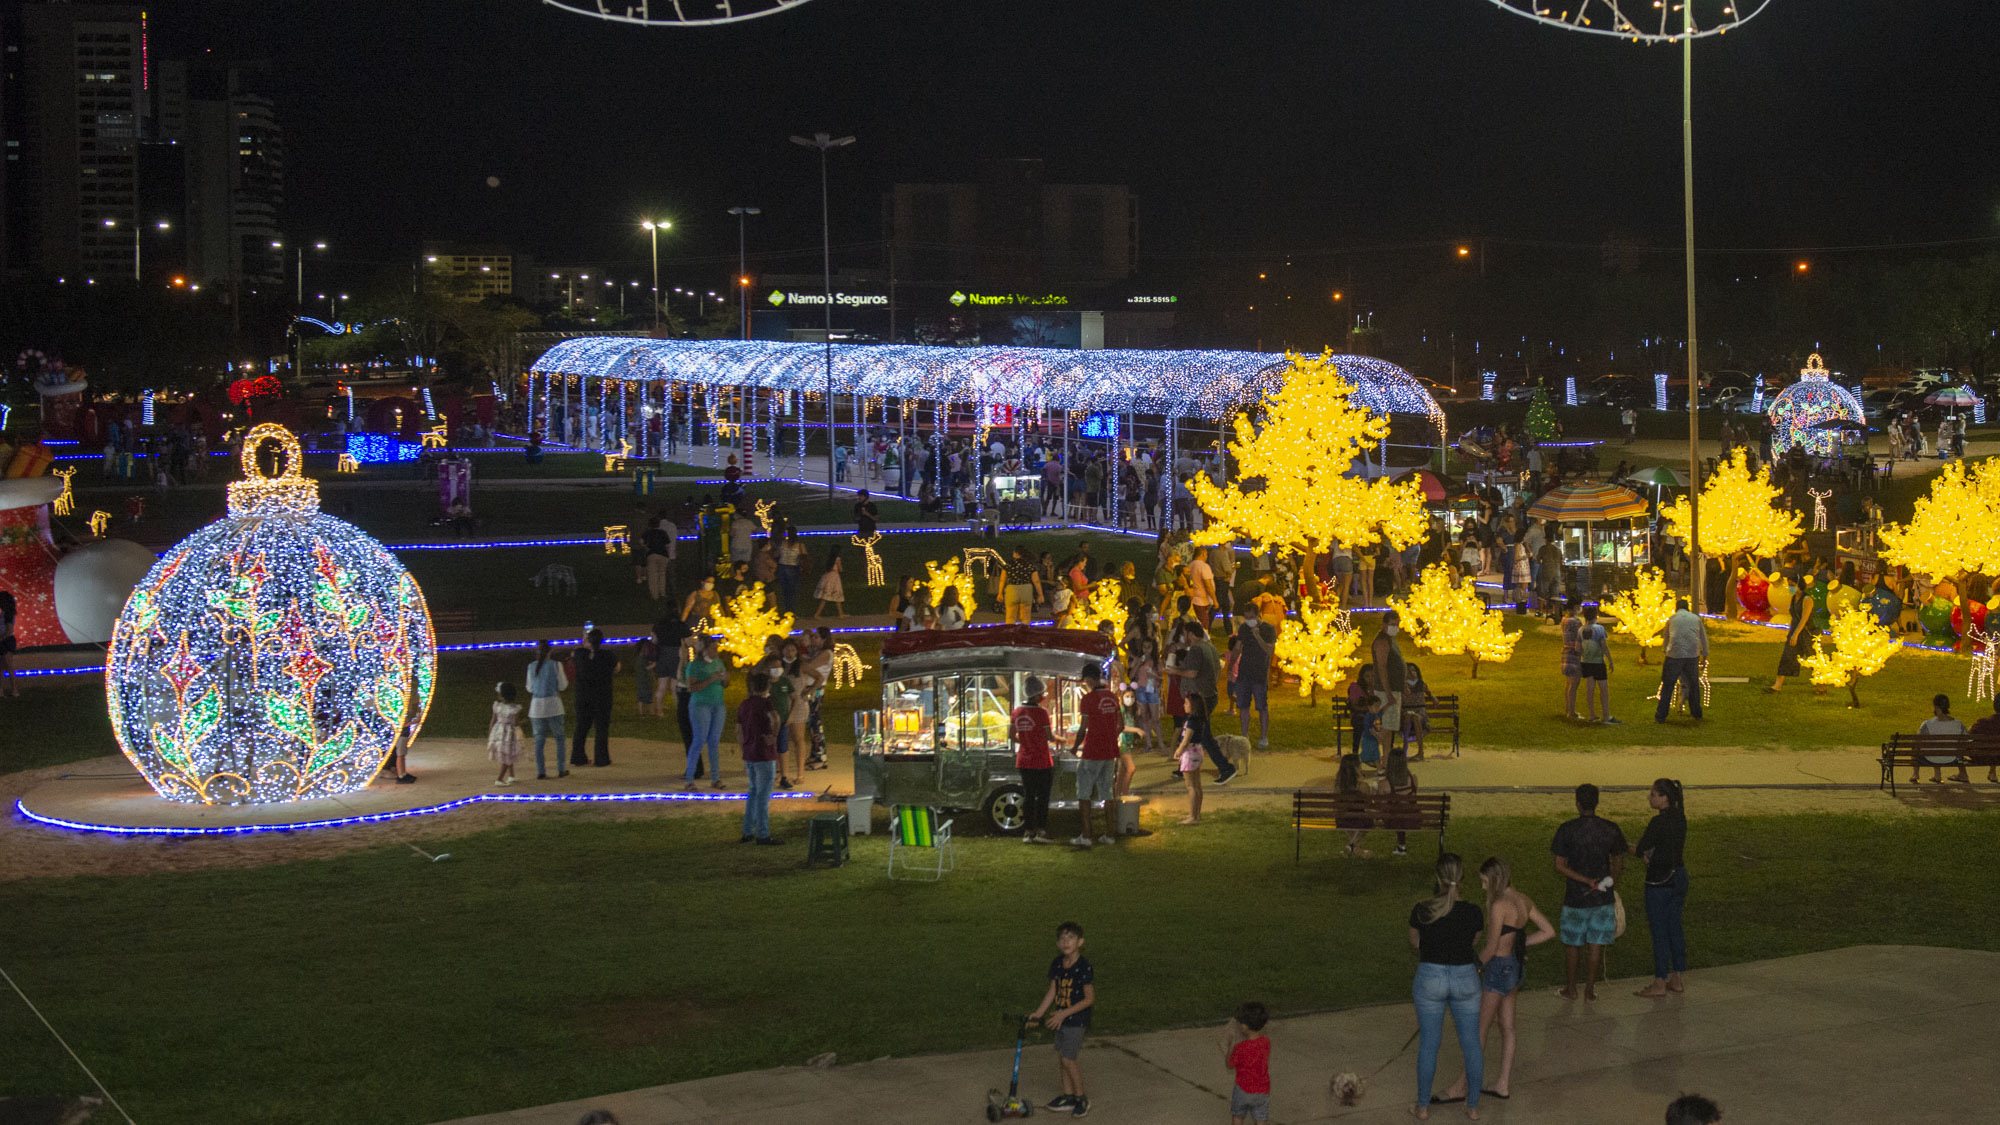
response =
{"points": [[1449, 618], [1291, 491], [1814, 398], [271, 656]]}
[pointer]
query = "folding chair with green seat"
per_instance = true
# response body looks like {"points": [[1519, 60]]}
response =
{"points": [[915, 829]]}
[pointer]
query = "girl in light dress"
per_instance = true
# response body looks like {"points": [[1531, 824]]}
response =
{"points": [[829, 588], [503, 738]]}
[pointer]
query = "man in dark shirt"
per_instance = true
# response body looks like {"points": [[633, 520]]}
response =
{"points": [[1199, 670], [596, 672], [1986, 734], [757, 737], [1255, 640], [865, 515], [1590, 855]]}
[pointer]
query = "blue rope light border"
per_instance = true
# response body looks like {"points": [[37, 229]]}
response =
{"points": [[400, 814]]}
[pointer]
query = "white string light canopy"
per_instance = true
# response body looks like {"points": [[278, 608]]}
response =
{"points": [[675, 13], [1644, 21]]}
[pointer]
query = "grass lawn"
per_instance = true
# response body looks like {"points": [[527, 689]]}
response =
{"points": [[571, 955]]}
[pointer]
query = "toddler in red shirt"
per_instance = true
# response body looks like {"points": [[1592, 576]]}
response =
{"points": [[1247, 1051]]}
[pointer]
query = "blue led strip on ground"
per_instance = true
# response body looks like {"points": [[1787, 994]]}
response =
{"points": [[400, 814]]}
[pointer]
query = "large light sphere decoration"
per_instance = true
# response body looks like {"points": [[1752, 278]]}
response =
{"points": [[271, 656], [1641, 21], [675, 13], [1814, 398]]}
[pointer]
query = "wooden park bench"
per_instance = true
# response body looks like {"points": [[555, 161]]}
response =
{"points": [[1364, 812], [1443, 713], [1913, 751]]}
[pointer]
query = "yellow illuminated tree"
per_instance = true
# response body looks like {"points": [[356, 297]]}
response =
{"points": [[1955, 531], [743, 621], [1290, 492], [1643, 610], [1449, 619], [1859, 646], [942, 577], [1318, 647], [1738, 522], [1104, 602]]}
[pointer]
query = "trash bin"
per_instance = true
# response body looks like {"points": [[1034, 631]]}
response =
{"points": [[860, 813]]}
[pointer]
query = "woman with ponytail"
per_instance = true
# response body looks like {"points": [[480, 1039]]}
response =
{"points": [[1445, 931], [1666, 886]]}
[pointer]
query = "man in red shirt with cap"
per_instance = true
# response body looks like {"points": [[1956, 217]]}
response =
{"points": [[1097, 744]]}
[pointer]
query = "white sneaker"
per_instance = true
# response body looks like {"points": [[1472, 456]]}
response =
{"points": [[1107, 839], [1081, 841], [1027, 837]]}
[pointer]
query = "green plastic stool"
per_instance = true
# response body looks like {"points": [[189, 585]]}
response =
{"points": [[826, 839]]}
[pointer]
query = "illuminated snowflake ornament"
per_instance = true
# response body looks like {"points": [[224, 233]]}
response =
{"points": [[1643, 21], [675, 13], [271, 656]]}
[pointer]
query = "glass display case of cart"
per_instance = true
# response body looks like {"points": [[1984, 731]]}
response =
{"points": [[942, 738], [1018, 496]]}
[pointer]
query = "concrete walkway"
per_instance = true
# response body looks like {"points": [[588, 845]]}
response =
{"points": [[1872, 1033]]}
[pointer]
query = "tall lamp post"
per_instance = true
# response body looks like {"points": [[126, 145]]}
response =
{"points": [[1666, 23], [654, 227], [743, 264], [826, 143], [301, 249], [137, 228]]}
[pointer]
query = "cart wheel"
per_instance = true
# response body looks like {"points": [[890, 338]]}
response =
{"points": [[1007, 808]]}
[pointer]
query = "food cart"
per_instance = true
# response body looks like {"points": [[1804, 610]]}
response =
{"points": [[942, 738], [1017, 496]]}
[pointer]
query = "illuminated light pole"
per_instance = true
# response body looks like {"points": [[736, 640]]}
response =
{"points": [[826, 143], [300, 292], [655, 227], [743, 264], [110, 224], [1665, 23]]}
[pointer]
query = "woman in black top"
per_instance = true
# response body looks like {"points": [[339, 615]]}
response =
{"points": [[1666, 886], [1445, 932]]}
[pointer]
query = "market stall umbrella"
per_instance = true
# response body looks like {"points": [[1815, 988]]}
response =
{"points": [[1659, 477], [1586, 503], [1953, 397], [1433, 488]]}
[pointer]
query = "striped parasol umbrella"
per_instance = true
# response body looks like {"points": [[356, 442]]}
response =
{"points": [[1587, 503], [1953, 397]]}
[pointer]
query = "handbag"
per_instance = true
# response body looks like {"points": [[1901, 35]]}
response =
{"points": [[1618, 913]]}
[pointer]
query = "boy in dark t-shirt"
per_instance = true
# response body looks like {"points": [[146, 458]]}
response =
{"points": [[1071, 997]]}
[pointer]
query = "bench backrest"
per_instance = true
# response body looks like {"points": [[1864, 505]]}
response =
{"points": [[1431, 809]]}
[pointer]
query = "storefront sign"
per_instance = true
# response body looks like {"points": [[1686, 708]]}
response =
{"points": [[1152, 300], [1007, 300], [780, 298]]}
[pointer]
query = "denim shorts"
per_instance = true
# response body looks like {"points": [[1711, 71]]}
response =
{"points": [[1257, 1106], [1589, 925], [1069, 1040], [1503, 975], [1094, 777]]}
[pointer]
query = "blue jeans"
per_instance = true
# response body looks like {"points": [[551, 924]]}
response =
{"points": [[1663, 918], [707, 719], [1685, 671], [1438, 987], [788, 587], [543, 728], [757, 814]]}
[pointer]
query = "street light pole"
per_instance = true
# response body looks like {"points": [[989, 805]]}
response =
{"points": [[826, 143], [742, 264], [1697, 576], [655, 228]]}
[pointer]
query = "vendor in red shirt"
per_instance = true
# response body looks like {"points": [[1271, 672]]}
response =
{"points": [[1097, 744], [1036, 762]]}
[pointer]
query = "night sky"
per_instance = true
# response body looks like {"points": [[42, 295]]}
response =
{"points": [[1247, 129]]}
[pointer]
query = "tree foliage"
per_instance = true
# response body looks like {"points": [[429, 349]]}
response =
{"points": [[1736, 513]]}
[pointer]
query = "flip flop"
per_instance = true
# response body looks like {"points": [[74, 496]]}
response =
{"points": [[1435, 1100], [1494, 1094]]}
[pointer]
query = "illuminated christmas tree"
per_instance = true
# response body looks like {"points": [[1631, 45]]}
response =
{"points": [[1859, 647], [940, 578], [1449, 619], [1291, 493], [1318, 647], [745, 620], [1738, 522], [1541, 422], [1104, 602], [1955, 531], [1643, 610]]}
